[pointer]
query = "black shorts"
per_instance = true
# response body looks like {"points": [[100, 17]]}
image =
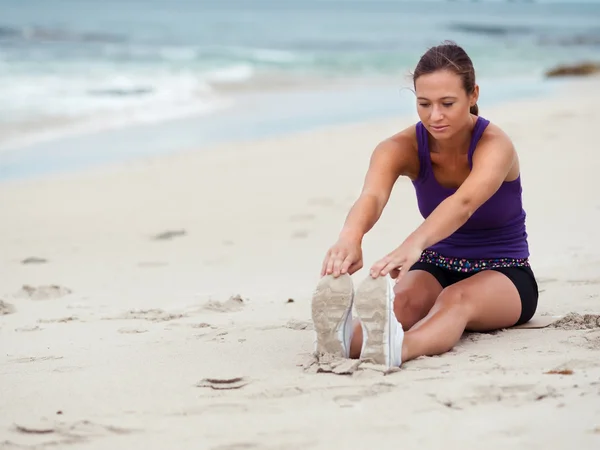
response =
{"points": [[522, 277]]}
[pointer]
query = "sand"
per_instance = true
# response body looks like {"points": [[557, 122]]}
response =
{"points": [[165, 303]]}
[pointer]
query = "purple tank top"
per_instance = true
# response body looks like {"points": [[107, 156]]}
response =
{"points": [[495, 230]]}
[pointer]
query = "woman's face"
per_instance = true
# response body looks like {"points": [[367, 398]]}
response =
{"points": [[442, 103]]}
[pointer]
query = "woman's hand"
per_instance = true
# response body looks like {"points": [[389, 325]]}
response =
{"points": [[344, 257], [398, 262]]}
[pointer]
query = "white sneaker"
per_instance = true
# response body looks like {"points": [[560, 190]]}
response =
{"points": [[382, 333], [332, 315]]}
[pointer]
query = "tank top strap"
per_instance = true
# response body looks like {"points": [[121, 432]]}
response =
{"points": [[478, 130], [423, 149]]}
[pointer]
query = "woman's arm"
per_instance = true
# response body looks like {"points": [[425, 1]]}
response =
{"points": [[492, 162], [390, 159]]}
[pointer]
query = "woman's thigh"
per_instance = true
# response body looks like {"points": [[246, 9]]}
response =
{"points": [[490, 298]]}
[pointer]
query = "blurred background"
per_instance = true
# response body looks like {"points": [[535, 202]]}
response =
{"points": [[84, 82]]}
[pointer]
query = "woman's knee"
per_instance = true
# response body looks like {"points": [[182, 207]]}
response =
{"points": [[409, 306], [454, 297]]}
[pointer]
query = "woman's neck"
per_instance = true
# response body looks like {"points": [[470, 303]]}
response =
{"points": [[457, 144]]}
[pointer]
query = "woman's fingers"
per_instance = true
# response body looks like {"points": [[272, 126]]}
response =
{"points": [[346, 263], [376, 268], [388, 265], [391, 265], [330, 262], [325, 262], [379, 267], [335, 263]]}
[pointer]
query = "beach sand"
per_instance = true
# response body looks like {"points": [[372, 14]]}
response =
{"points": [[165, 303]]}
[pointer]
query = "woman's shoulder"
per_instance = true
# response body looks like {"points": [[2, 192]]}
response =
{"points": [[405, 138], [401, 149], [493, 133], [494, 147]]}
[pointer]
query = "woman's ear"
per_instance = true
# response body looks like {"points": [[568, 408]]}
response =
{"points": [[474, 96]]}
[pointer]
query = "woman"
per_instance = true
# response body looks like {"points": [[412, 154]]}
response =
{"points": [[466, 266]]}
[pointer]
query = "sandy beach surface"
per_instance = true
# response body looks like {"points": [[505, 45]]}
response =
{"points": [[165, 303]]}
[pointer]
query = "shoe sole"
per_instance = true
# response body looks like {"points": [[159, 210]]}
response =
{"points": [[374, 309], [331, 303]]}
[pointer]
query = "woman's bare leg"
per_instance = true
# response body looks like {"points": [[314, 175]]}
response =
{"points": [[415, 295], [484, 302]]}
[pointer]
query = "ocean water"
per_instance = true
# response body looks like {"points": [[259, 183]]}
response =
{"points": [[69, 67]]}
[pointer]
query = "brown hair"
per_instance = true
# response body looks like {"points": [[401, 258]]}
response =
{"points": [[452, 57]]}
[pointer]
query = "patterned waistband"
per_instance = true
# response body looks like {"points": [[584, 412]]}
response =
{"points": [[470, 265]]}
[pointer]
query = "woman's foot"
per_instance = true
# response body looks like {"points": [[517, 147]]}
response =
{"points": [[382, 333], [332, 315]]}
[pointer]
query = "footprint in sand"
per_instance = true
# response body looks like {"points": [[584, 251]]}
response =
{"points": [[35, 359], [151, 315], [45, 432], [44, 292], [299, 325], [190, 325], [513, 394], [131, 330], [200, 325], [474, 358], [299, 234], [60, 320], [6, 308], [168, 235], [34, 260], [223, 383], [235, 303], [219, 337], [28, 329]]}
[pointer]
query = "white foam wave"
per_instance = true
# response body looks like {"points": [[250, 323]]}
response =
{"points": [[137, 52], [132, 52], [274, 56], [237, 73], [47, 106], [265, 55]]}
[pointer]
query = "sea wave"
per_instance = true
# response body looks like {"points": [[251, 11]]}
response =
{"points": [[42, 107], [46, 34], [490, 29]]}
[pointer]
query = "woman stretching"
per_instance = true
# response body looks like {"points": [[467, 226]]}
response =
{"points": [[466, 266]]}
